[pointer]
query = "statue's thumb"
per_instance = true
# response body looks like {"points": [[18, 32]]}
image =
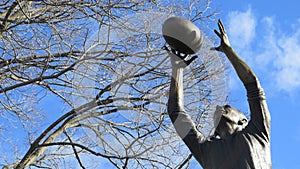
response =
{"points": [[191, 60], [216, 48]]}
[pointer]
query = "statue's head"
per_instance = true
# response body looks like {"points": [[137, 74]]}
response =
{"points": [[228, 120]]}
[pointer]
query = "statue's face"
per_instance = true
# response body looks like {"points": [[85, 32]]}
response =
{"points": [[230, 121]]}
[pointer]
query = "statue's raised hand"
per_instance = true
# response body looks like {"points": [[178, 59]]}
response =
{"points": [[179, 60], [223, 36]]}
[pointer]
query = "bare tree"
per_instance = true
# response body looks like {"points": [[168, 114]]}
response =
{"points": [[102, 62]]}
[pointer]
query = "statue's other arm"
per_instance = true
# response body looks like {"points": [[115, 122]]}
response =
{"points": [[260, 116], [181, 120]]}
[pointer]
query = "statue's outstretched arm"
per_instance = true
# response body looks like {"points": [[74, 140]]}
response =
{"points": [[260, 115], [243, 70], [181, 120]]}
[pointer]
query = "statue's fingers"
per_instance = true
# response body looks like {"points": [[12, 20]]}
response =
{"points": [[216, 48], [166, 48], [173, 51], [221, 27], [184, 56], [188, 62], [218, 33], [213, 48]]}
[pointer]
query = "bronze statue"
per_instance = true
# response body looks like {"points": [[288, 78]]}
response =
{"points": [[239, 144]]}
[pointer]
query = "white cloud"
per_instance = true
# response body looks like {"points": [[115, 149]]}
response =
{"points": [[280, 55], [241, 28], [273, 52], [288, 63], [268, 43]]}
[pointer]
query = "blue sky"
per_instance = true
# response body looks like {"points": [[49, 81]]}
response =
{"points": [[266, 34]]}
